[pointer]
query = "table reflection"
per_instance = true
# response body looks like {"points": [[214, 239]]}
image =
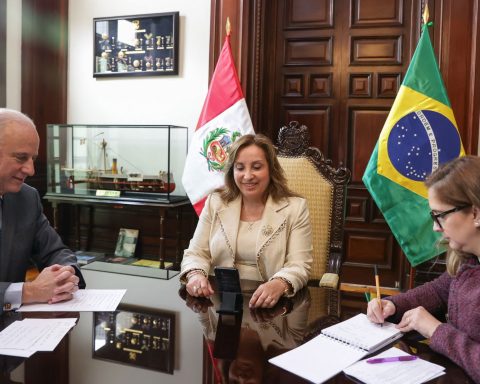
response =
{"points": [[237, 347]]}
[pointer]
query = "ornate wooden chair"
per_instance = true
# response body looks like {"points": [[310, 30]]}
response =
{"points": [[312, 176]]}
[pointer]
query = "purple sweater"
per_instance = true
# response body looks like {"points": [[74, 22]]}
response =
{"points": [[459, 338]]}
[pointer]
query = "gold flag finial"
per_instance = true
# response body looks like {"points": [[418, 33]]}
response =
{"points": [[426, 14], [228, 28]]}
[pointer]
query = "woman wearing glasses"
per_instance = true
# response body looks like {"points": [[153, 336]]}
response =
{"points": [[454, 198]]}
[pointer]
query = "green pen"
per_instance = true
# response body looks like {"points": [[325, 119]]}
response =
{"points": [[367, 296]]}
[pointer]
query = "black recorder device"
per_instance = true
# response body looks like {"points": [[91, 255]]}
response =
{"points": [[228, 285]]}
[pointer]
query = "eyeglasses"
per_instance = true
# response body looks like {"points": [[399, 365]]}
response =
{"points": [[440, 216]]}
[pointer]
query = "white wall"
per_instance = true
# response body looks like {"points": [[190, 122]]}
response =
{"points": [[14, 54], [143, 100], [140, 100]]}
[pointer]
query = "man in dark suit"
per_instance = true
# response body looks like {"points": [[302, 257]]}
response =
{"points": [[25, 231]]}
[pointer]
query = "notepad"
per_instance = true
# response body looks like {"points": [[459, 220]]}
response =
{"points": [[336, 348], [402, 372]]}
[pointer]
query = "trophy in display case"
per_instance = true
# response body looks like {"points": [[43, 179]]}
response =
{"points": [[131, 162], [138, 37]]}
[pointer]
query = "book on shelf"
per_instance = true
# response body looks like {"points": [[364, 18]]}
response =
{"points": [[126, 242], [336, 348], [151, 263], [118, 260], [86, 257]]}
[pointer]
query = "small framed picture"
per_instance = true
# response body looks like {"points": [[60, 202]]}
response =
{"points": [[126, 242], [135, 336], [141, 45]]}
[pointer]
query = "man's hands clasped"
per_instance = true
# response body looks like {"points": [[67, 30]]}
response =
{"points": [[54, 284]]}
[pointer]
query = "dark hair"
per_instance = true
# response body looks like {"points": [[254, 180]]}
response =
{"points": [[277, 187], [457, 183]]}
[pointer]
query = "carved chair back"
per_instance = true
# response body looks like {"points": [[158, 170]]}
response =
{"points": [[324, 187]]}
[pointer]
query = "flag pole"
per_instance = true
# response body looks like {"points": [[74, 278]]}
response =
{"points": [[426, 14], [228, 27], [411, 275]]}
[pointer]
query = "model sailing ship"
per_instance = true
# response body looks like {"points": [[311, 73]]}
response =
{"points": [[119, 180]]}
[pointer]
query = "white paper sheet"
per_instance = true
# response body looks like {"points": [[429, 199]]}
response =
{"points": [[84, 300], [16, 352], [24, 338], [398, 372]]}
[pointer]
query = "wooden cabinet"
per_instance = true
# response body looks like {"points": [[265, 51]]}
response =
{"points": [[92, 224]]}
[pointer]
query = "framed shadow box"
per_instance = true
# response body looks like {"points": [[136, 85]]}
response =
{"points": [[135, 336], [141, 45]]}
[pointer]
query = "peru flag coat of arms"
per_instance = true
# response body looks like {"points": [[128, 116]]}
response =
{"points": [[223, 119]]}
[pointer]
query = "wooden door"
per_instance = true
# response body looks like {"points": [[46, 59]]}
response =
{"points": [[338, 66]]}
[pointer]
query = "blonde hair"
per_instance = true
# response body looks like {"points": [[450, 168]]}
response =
{"points": [[457, 183], [277, 188]]}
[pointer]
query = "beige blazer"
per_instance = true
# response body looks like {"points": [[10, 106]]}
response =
{"points": [[283, 246]]}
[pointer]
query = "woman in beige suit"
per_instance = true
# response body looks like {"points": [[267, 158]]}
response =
{"points": [[254, 223]]}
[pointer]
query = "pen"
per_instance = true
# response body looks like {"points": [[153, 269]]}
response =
{"points": [[391, 359], [377, 284], [367, 296]]}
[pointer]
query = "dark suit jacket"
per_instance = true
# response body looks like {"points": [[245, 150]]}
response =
{"points": [[27, 235]]}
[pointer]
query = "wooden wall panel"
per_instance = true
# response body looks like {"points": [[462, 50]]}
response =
{"points": [[3, 53], [312, 51], [320, 85], [374, 13], [378, 252], [305, 14], [365, 126], [360, 85], [44, 71], [374, 50]]}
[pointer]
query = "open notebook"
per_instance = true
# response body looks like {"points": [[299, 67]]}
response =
{"points": [[336, 348]]}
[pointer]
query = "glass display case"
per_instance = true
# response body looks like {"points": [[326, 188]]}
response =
{"points": [[131, 162]]}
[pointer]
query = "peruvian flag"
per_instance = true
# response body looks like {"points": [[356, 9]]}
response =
{"points": [[224, 118]]}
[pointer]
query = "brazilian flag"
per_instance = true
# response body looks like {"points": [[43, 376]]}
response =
{"points": [[420, 133]]}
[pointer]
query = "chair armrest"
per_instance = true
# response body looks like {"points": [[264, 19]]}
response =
{"points": [[329, 280]]}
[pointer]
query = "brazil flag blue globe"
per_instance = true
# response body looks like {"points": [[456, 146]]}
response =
{"points": [[420, 141]]}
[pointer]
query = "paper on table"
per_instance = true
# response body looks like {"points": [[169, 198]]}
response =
{"points": [[23, 338], [84, 300], [51, 331], [401, 372], [16, 352]]}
